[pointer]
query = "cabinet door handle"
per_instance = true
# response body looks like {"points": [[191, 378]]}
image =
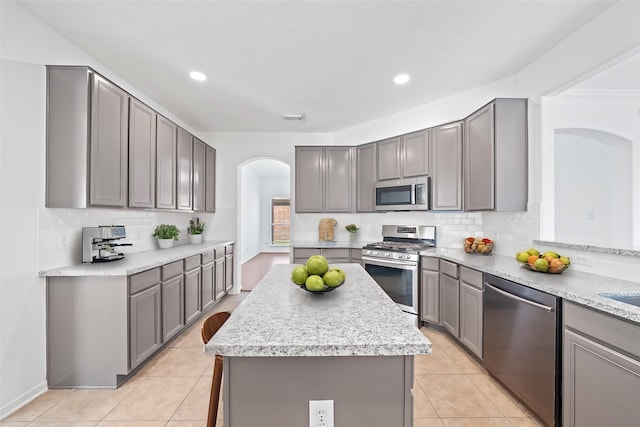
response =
{"points": [[520, 299]]}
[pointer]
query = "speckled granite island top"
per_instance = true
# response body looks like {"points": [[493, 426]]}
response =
{"points": [[280, 319]]}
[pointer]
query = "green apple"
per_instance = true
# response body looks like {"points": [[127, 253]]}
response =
{"points": [[314, 283], [332, 278], [299, 275]]}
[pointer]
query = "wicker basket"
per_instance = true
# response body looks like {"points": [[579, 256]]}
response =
{"points": [[478, 247]]}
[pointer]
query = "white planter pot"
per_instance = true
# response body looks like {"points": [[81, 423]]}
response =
{"points": [[165, 243], [195, 238]]}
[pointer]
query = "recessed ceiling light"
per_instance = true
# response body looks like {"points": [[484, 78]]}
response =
{"points": [[401, 79], [198, 76]]}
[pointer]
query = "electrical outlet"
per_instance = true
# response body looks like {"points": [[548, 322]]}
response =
{"points": [[321, 413]]}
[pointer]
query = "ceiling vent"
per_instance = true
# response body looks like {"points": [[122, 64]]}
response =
{"points": [[293, 116]]}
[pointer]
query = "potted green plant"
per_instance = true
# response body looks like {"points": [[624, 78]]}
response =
{"points": [[166, 235], [352, 229], [196, 228]]}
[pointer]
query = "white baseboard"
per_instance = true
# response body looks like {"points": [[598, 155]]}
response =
{"points": [[20, 401]]}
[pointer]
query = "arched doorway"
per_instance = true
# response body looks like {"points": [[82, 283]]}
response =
{"points": [[264, 189]]}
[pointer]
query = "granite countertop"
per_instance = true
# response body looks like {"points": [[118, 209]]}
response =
{"points": [[572, 285], [278, 318], [135, 262]]}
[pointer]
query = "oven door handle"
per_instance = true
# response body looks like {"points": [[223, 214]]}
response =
{"points": [[384, 262], [520, 299]]}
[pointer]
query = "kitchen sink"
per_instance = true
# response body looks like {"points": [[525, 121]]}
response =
{"points": [[633, 299]]}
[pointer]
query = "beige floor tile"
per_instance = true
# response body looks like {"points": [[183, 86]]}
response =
{"points": [[64, 423], [427, 422], [131, 424], [440, 339], [508, 406], [183, 362], [196, 405], [435, 363], [14, 423], [456, 396], [476, 422], [467, 363], [188, 424], [191, 337], [153, 363], [156, 398], [421, 406], [39, 405], [87, 404], [525, 422]]}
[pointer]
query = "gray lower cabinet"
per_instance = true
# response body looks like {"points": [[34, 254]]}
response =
{"points": [[198, 176], [142, 155], [601, 369], [324, 179], [333, 255], [166, 163], [192, 289], [172, 306], [430, 290], [210, 179], [366, 177], [219, 275], [471, 312], [185, 170], [450, 303], [446, 167], [228, 267], [495, 157], [145, 324], [207, 272]]}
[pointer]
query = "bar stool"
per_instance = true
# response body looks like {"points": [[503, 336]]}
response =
{"points": [[209, 327]]}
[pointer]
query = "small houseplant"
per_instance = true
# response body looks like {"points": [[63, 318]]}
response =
{"points": [[166, 234], [351, 228], [196, 228]]}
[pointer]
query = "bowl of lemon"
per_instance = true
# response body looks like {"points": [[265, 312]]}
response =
{"points": [[316, 276], [547, 262]]}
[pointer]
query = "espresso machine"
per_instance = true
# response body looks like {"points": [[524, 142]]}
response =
{"points": [[98, 243]]}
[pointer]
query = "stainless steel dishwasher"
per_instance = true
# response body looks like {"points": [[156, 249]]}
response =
{"points": [[522, 344]]}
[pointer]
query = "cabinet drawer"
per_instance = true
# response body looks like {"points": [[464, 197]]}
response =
{"points": [[191, 262], [305, 252], [228, 249], [219, 252], [336, 253], [208, 257], [172, 270], [449, 268], [429, 263], [141, 281], [471, 277]]}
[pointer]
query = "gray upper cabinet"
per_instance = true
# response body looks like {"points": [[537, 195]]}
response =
{"points": [[404, 156], [142, 155], [210, 179], [109, 144], [87, 140], [184, 170], [415, 154], [166, 162], [446, 167], [309, 179], [366, 176], [324, 179], [338, 189], [389, 159], [495, 157], [199, 179]]}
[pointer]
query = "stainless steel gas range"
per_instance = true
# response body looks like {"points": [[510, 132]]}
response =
{"points": [[394, 262]]}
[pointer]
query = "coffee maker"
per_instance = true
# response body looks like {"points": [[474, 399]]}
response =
{"points": [[98, 243]]}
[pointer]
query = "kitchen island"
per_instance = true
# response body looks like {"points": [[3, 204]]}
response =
{"points": [[284, 346]]}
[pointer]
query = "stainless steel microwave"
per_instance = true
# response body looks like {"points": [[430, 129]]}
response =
{"points": [[409, 194]]}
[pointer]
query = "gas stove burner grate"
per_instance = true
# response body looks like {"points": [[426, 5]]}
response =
{"points": [[398, 246]]}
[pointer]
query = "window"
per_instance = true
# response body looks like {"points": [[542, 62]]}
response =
{"points": [[280, 219]]}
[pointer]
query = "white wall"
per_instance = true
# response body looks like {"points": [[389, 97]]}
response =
{"points": [[27, 45], [251, 213]]}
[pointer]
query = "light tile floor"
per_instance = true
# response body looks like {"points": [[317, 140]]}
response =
{"points": [[451, 389]]}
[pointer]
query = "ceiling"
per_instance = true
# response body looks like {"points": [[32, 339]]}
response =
{"points": [[331, 60]]}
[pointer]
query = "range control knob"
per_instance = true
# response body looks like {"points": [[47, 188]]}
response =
{"points": [[367, 252], [387, 254], [407, 256], [398, 256], [374, 253]]}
